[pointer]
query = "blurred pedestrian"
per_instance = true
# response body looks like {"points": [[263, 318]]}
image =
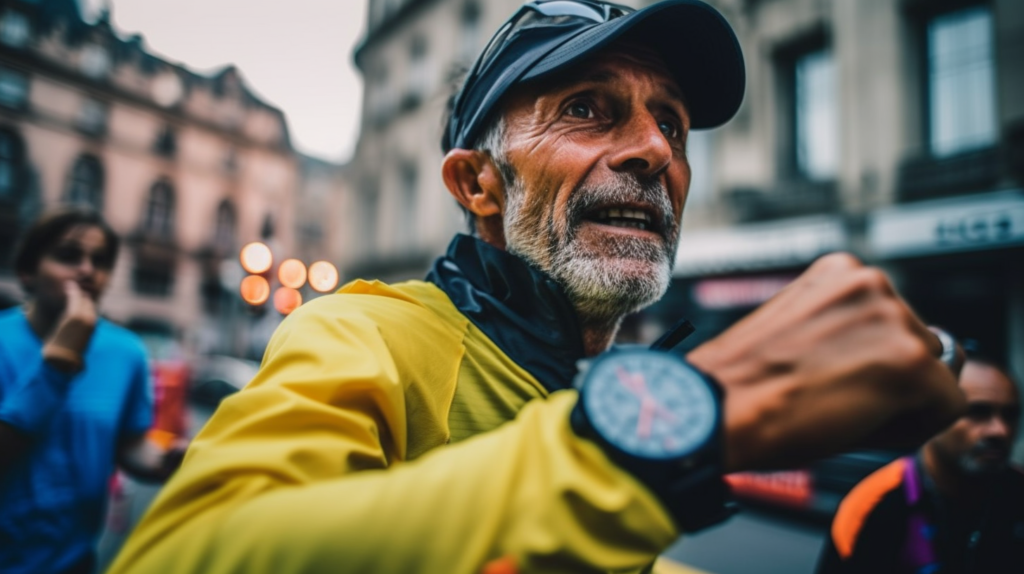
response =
{"points": [[432, 426], [956, 506], [75, 399]]}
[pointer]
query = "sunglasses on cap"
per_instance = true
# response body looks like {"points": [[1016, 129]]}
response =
{"points": [[537, 13], [533, 12], [544, 38]]}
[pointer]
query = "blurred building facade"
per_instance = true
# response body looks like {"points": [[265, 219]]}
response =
{"points": [[893, 129], [186, 167], [413, 52]]}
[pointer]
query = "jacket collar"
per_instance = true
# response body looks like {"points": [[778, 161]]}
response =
{"points": [[520, 308]]}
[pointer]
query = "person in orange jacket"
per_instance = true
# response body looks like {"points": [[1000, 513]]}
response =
{"points": [[955, 506]]}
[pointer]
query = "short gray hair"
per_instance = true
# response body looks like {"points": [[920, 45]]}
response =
{"points": [[493, 142]]}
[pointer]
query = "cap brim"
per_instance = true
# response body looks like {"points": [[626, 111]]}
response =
{"points": [[696, 43]]}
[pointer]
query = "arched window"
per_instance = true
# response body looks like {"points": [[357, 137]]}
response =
{"points": [[224, 238], [166, 143], [160, 210], [10, 164], [86, 183]]}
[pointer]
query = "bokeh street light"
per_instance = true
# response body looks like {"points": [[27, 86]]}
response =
{"points": [[287, 300], [292, 273], [256, 257], [255, 290], [323, 276]]}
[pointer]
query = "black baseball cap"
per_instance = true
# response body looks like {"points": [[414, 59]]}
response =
{"points": [[544, 37]]}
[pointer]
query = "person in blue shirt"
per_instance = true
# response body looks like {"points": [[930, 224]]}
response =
{"points": [[75, 399]]}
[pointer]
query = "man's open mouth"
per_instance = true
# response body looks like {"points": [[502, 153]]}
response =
{"points": [[624, 217]]}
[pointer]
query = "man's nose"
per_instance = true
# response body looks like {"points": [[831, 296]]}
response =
{"points": [[998, 426], [642, 147], [85, 266]]}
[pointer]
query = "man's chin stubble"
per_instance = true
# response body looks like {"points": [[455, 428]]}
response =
{"points": [[606, 285], [604, 282]]}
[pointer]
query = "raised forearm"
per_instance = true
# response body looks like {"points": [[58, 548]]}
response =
{"points": [[835, 361], [143, 460]]}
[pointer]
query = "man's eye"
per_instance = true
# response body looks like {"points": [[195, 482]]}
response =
{"points": [[669, 129], [580, 110]]}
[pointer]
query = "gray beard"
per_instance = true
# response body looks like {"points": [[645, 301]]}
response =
{"points": [[601, 281], [971, 466]]}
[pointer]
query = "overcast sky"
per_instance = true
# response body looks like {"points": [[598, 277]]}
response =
{"points": [[296, 55]]}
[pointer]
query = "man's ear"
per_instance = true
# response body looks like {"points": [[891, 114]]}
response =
{"points": [[474, 181]]}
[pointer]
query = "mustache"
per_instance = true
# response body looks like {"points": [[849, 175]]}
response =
{"points": [[623, 188], [990, 446]]}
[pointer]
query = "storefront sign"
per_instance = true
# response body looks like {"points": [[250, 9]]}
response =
{"points": [[777, 244], [740, 292], [988, 221]]}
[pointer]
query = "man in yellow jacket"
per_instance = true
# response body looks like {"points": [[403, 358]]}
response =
{"points": [[432, 426]]}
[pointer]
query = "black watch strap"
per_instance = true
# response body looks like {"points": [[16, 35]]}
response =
{"points": [[705, 501], [692, 490], [696, 496]]}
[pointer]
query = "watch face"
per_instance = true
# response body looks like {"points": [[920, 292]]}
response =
{"points": [[649, 404]]}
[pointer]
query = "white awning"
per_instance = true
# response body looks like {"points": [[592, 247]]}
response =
{"points": [[751, 247], [966, 223]]}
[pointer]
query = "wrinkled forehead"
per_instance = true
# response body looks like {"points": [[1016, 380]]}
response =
{"points": [[85, 234], [982, 382]]}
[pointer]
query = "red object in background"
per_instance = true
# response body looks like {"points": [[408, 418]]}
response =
{"points": [[170, 390], [788, 487], [118, 505]]}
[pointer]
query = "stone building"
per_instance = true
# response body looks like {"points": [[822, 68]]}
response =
{"points": [[892, 128], [401, 215], [186, 167]]}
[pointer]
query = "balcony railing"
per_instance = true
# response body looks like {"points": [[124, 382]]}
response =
{"points": [[928, 177], [787, 199]]}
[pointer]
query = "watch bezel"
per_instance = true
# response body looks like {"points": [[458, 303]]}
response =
{"points": [[681, 456], [691, 486]]}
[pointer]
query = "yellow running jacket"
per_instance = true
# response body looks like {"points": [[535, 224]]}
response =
{"points": [[385, 433]]}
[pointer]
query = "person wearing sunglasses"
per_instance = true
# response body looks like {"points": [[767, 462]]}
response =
{"points": [[74, 399], [956, 505], [449, 425]]}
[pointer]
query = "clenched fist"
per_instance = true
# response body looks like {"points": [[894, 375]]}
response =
{"points": [[66, 346], [836, 360]]}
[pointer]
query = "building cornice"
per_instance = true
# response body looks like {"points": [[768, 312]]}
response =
{"points": [[35, 65], [62, 21]]}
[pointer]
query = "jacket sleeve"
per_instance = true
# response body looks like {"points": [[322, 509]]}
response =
{"points": [[869, 527], [305, 470]]}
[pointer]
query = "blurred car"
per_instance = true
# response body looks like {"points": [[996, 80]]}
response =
{"points": [[218, 376], [815, 491]]}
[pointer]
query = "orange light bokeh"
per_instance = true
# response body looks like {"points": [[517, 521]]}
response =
{"points": [[256, 257], [255, 290], [323, 276], [286, 300], [292, 273]]}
